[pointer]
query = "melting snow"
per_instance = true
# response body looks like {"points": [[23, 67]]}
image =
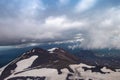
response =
{"points": [[86, 75], [23, 64], [33, 50], [79, 73], [52, 50], [104, 69], [50, 74]]}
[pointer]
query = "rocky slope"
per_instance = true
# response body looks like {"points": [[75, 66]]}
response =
{"points": [[54, 64]]}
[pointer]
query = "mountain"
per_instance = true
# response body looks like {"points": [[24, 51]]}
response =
{"points": [[54, 64]]}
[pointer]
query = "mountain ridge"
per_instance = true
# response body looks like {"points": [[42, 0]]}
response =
{"points": [[40, 64]]}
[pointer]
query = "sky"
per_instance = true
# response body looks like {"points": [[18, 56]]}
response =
{"points": [[97, 22]]}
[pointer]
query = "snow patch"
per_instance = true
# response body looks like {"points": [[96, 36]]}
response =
{"points": [[33, 50], [79, 73], [117, 70], [52, 50], [50, 74], [104, 69], [86, 75], [23, 64]]}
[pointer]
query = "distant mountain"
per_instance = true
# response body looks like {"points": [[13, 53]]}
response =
{"points": [[54, 64]]}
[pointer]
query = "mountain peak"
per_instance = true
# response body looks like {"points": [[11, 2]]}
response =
{"points": [[40, 64], [39, 58], [52, 50]]}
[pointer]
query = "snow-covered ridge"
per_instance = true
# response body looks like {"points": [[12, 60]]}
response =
{"points": [[23, 64], [52, 50], [79, 73], [87, 75], [40, 64]]}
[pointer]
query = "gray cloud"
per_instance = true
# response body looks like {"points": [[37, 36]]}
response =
{"points": [[99, 28], [103, 30]]}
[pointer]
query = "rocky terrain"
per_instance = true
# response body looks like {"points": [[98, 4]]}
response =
{"points": [[54, 64]]}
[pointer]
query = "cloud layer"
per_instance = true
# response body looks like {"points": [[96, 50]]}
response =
{"points": [[40, 21]]}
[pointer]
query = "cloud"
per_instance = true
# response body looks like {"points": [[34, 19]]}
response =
{"points": [[51, 28], [104, 30], [98, 31], [35, 23], [21, 8], [62, 23], [63, 2], [84, 5]]}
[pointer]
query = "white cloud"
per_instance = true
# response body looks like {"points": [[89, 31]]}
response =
{"points": [[84, 5], [52, 28], [104, 30], [63, 2], [62, 23], [99, 30]]}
